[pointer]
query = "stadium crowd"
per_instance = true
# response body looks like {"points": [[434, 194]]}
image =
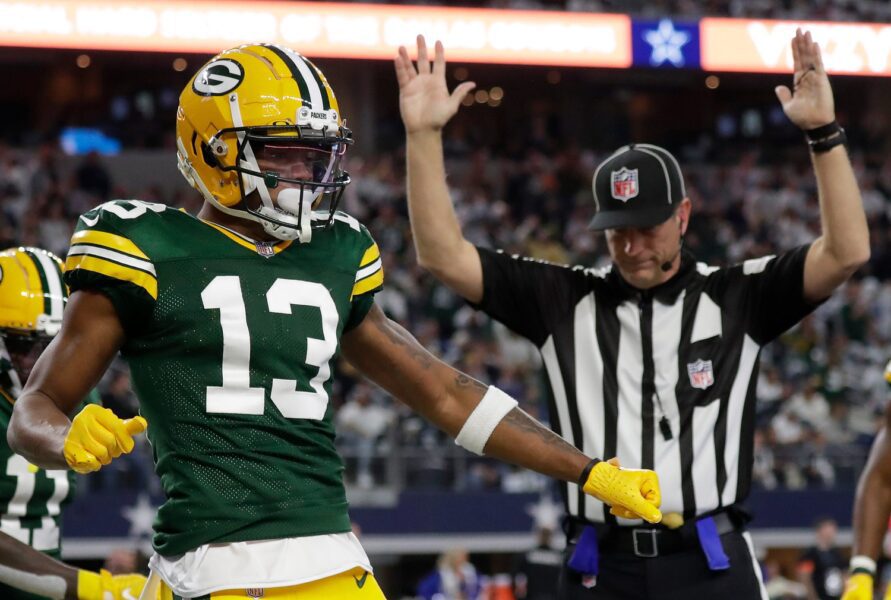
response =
{"points": [[821, 388]]}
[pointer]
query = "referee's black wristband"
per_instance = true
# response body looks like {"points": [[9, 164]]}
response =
{"points": [[824, 131], [825, 138], [583, 478]]}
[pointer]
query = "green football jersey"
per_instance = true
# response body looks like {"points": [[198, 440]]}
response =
{"points": [[31, 498], [231, 345]]}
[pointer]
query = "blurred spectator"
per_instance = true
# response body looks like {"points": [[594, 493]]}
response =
{"points": [[93, 179], [361, 423], [118, 395], [454, 578], [809, 406], [822, 567], [779, 587], [125, 560], [538, 569]]}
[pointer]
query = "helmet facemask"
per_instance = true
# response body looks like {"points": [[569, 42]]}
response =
{"points": [[306, 168]]}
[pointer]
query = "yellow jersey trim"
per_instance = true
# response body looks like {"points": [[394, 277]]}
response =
{"points": [[7, 396], [245, 241], [108, 240], [373, 281], [117, 271], [372, 254]]}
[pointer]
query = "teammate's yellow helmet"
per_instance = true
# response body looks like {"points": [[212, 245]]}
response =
{"points": [[32, 297], [245, 100]]}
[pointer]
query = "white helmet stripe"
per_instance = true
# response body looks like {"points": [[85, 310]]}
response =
{"points": [[315, 92], [53, 282]]}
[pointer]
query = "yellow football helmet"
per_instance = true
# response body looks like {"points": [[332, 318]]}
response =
{"points": [[246, 100], [32, 298]]}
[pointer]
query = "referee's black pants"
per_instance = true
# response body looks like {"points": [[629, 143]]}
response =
{"points": [[683, 575]]}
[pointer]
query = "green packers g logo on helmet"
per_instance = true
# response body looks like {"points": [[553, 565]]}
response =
{"points": [[218, 78]]}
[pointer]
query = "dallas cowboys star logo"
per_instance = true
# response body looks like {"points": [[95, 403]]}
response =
{"points": [[667, 43]]}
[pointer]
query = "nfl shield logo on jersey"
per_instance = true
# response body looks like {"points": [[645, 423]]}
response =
{"points": [[624, 184], [265, 249], [701, 374]]}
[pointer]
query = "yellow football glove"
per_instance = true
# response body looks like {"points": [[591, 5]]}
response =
{"points": [[631, 493], [888, 592], [105, 586], [97, 436], [858, 587]]}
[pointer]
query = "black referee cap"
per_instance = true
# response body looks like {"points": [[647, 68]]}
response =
{"points": [[638, 186]]}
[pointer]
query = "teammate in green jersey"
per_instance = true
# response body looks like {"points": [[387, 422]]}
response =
{"points": [[32, 296], [231, 321]]}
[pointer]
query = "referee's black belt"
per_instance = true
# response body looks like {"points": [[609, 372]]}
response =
{"points": [[651, 542]]}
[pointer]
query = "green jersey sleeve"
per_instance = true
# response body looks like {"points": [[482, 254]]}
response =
{"points": [[369, 280], [104, 257]]}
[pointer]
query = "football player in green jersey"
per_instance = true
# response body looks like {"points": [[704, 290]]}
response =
{"points": [[32, 296], [231, 322], [872, 508]]}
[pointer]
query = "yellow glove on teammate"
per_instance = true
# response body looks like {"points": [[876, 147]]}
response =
{"points": [[858, 587], [631, 493], [105, 586], [97, 435]]}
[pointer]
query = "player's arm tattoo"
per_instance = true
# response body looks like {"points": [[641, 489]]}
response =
{"points": [[463, 381], [520, 420], [402, 338]]}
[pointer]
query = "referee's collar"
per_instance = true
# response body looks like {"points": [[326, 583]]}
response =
{"points": [[666, 293]]}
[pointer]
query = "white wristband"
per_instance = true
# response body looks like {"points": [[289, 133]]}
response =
{"points": [[862, 562], [493, 407]]}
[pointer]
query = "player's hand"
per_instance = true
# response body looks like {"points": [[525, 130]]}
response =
{"points": [[858, 587], [105, 586], [424, 99], [631, 493], [97, 436], [809, 104]]}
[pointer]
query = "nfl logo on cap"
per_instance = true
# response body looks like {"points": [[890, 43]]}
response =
{"points": [[624, 184]]}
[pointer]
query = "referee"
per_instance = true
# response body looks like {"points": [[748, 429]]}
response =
{"points": [[655, 358]]}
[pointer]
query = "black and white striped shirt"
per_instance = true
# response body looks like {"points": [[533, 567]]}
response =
{"points": [[619, 360]]}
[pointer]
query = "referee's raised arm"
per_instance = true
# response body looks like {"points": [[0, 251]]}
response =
{"points": [[426, 107], [843, 246]]}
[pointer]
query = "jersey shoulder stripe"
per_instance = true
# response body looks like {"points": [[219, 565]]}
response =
{"points": [[107, 240], [370, 275], [371, 254], [102, 246], [115, 270]]}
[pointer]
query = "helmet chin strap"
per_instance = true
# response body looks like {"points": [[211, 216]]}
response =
{"points": [[299, 201]]}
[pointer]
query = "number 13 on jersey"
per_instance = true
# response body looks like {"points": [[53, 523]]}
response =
{"points": [[236, 395]]}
